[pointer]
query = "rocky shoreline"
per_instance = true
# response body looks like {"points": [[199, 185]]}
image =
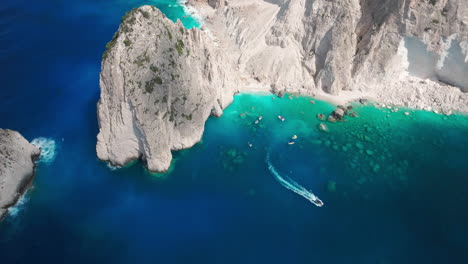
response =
{"points": [[160, 82], [17, 168]]}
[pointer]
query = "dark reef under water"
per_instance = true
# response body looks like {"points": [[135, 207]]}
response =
{"points": [[393, 184]]}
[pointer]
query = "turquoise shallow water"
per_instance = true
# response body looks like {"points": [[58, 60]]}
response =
{"points": [[393, 187]]}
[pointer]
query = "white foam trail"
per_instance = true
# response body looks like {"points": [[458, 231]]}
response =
{"points": [[48, 149], [293, 186], [19, 206]]}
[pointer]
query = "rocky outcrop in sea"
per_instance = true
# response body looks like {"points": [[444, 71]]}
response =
{"points": [[159, 84], [17, 165]]}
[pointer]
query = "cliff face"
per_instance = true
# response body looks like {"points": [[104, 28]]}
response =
{"points": [[379, 48], [16, 167], [160, 82]]}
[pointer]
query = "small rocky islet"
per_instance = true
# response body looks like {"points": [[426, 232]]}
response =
{"points": [[17, 166]]}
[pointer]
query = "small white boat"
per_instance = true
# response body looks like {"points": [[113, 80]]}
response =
{"points": [[315, 200]]}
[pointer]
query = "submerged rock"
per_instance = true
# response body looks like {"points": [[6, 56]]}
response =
{"points": [[338, 113], [321, 116], [233, 158], [323, 127], [17, 165], [331, 186]]}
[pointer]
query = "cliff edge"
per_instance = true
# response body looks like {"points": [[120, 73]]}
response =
{"points": [[17, 166], [160, 82], [404, 52]]}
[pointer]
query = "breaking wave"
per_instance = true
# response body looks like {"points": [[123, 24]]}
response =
{"points": [[19, 206], [48, 149], [112, 168], [292, 185], [190, 11]]}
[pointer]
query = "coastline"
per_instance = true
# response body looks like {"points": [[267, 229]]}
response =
{"points": [[21, 179], [23, 191], [398, 87], [345, 97], [232, 66], [191, 11], [329, 99]]}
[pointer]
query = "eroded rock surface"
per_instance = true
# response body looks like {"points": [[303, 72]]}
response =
{"points": [[160, 82], [17, 166], [378, 49]]}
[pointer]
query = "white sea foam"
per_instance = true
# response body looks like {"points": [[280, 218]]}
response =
{"points": [[48, 149], [19, 206], [191, 11], [292, 185], [113, 168]]}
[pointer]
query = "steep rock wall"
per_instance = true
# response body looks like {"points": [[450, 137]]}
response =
{"points": [[159, 83], [17, 166]]}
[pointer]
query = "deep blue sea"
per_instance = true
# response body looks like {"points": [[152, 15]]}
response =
{"points": [[394, 186]]}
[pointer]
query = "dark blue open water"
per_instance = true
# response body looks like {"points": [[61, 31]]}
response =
{"points": [[394, 187]]}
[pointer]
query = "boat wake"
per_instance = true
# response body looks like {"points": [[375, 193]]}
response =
{"points": [[48, 149], [292, 185]]}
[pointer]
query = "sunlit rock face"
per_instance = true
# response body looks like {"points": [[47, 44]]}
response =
{"points": [[160, 81], [450, 66], [376, 48], [17, 166]]}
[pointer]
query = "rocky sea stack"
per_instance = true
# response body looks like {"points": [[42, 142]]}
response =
{"points": [[17, 165], [160, 82]]}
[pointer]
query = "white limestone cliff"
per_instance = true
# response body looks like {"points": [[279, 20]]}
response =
{"points": [[160, 82], [371, 48], [17, 166]]}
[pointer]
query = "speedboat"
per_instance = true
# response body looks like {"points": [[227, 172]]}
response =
{"points": [[291, 142], [281, 118], [317, 201]]}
